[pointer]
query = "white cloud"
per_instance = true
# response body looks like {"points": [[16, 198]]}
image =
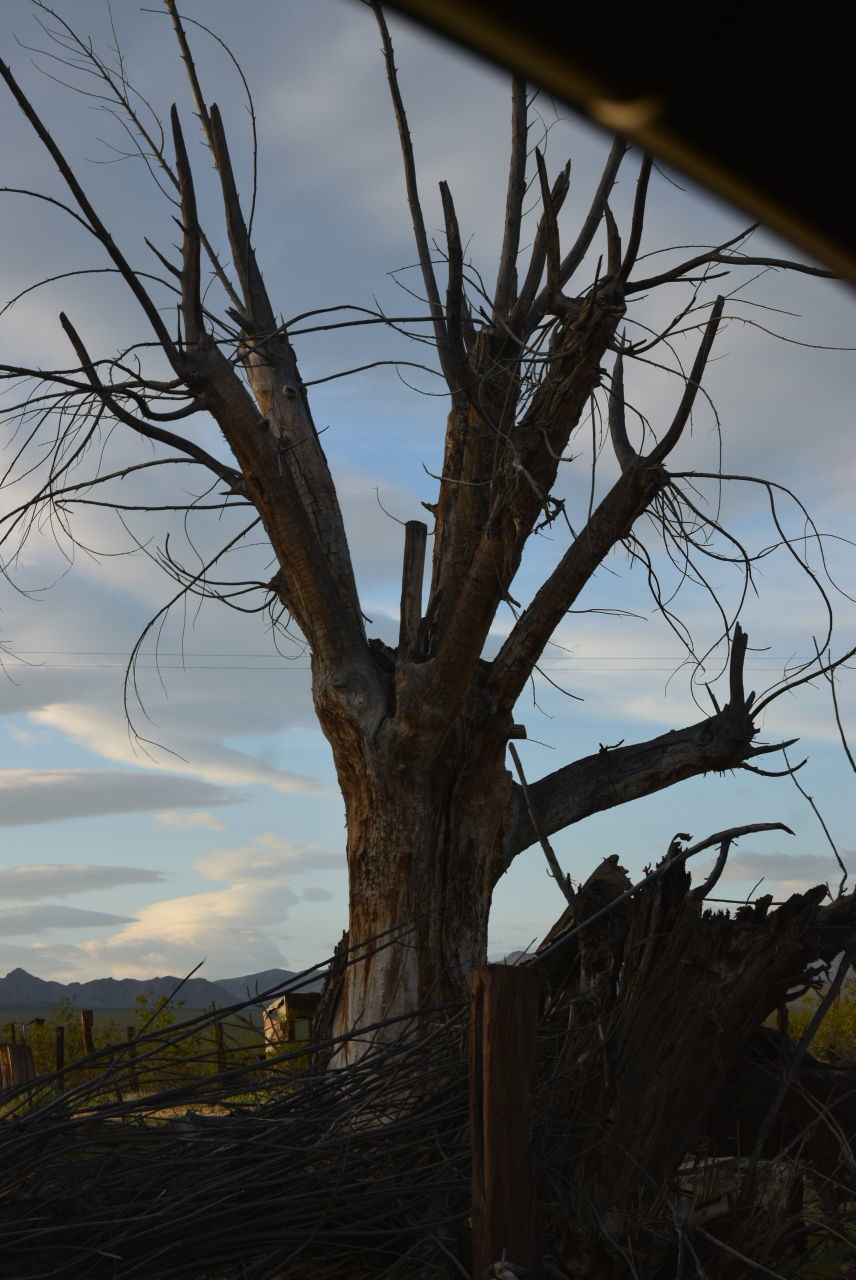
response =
{"points": [[38, 957], [27, 737], [779, 874], [185, 821], [58, 880], [105, 732], [175, 934], [268, 858], [783, 868], [232, 925], [38, 919], [29, 796]]}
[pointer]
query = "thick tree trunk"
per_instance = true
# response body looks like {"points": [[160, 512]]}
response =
{"points": [[434, 817], [428, 817]]}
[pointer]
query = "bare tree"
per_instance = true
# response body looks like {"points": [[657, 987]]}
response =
{"points": [[419, 732]]}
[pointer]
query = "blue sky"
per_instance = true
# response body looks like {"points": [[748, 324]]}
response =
{"points": [[223, 839]]}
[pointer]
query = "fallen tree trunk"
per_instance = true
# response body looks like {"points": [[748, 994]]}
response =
{"points": [[652, 1001]]}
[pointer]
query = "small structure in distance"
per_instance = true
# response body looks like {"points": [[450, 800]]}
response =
{"points": [[288, 1020]]}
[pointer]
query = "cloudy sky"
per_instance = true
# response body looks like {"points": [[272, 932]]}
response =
{"points": [[215, 830]]}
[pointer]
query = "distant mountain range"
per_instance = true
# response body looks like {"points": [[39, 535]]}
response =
{"points": [[20, 989]]}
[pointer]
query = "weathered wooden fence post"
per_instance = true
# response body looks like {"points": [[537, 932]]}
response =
{"points": [[16, 1065], [503, 1030], [219, 1047], [60, 1060], [86, 1030], [130, 1036]]}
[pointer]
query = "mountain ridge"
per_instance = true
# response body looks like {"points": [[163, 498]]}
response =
{"points": [[20, 988]]}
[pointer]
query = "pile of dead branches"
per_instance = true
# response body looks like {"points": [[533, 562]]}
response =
{"points": [[270, 1168], [668, 1129]]}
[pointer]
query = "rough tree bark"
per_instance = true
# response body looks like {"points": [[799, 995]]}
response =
{"points": [[419, 732]]}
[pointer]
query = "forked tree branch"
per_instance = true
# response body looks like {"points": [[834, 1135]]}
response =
{"points": [[613, 244], [625, 454], [616, 776], [457, 317], [145, 428], [517, 320], [290, 484], [273, 372], [256, 300], [665, 446], [635, 238], [420, 235], [701, 891], [611, 521], [190, 68], [190, 274], [553, 286], [506, 279], [717, 256], [316, 583], [582, 244]]}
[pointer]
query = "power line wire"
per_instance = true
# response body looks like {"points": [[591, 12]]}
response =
{"points": [[630, 664]]}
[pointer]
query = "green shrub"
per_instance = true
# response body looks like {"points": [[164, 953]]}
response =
{"points": [[836, 1035]]}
